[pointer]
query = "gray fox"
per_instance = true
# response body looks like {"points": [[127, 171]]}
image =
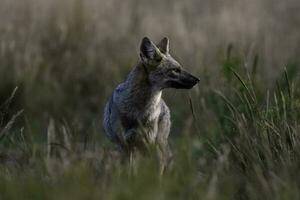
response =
{"points": [[136, 115]]}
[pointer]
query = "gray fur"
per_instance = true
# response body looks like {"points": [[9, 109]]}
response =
{"points": [[135, 112]]}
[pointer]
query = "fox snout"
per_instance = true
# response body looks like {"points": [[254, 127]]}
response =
{"points": [[184, 80]]}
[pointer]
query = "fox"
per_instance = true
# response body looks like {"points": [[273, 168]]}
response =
{"points": [[136, 115]]}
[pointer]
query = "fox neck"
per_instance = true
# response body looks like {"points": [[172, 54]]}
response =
{"points": [[142, 95]]}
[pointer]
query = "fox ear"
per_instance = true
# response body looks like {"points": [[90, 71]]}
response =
{"points": [[148, 51], [164, 45]]}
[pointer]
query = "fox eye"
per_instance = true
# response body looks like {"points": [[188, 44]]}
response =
{"points": [[176, 70]]}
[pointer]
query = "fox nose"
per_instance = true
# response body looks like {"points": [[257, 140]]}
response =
{"points": [[196, 79]]}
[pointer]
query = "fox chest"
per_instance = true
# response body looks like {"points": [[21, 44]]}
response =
{"points": [[145, 124]]}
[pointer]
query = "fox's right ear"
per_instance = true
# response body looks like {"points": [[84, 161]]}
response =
{"points": [[149, 52], [163, 45]]}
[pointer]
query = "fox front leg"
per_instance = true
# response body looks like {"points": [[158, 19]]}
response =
{"points": [[163, 148], [165, 156]]}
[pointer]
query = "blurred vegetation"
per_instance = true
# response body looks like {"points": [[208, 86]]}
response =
{"points": [[234, 136]]}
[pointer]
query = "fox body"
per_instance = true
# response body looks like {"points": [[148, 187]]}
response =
{"points": [[136, 114]]}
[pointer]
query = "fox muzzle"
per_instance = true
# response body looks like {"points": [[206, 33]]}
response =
{"points": [[184, 81]]}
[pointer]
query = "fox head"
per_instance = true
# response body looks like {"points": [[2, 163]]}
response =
{"points": [[162, 69]]}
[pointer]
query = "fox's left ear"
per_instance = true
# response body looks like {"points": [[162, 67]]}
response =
{"points": [[149, 52], [163, 45]]}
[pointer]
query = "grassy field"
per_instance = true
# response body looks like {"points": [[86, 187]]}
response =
{"points": [[234, 136]]}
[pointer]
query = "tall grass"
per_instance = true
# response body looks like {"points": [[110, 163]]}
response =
{"points": [[251, 151]]}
